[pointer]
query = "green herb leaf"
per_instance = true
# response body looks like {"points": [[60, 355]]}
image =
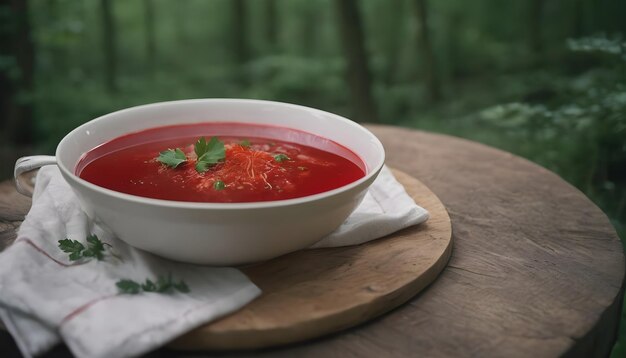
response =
{"points": [[201, 147], [149, 286], [219, 185], [281, 157], [208, 153], [95, 248], [164, 284], [128, 286], [211, 151], [245, 143], [172, 157], [202, 167], [181, 286], [72, 247]]}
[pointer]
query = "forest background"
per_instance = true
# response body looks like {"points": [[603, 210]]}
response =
{"points": [[544, 79]]}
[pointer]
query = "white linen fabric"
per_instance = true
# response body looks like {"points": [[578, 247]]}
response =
{"points": [[385, 209], [45, 298]]}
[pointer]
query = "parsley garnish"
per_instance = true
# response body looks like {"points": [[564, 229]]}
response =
{"points": [[208, 153], [172, 157], [95, 248], [128, 286], [149, 286], [281, 157], [162, 285], [72, 247], [219, 185], [245, 143]]}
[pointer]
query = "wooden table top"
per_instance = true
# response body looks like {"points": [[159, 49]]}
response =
{"points": [[537, 270]]}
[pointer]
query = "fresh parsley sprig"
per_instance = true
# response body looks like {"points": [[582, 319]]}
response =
{"points": [[95, 248], [128, 286], [208, 153], [172, 157], [162, 285]]}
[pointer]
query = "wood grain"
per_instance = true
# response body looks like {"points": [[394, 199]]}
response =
{"points": [[311, 293], [537, 269], [13, 208]]}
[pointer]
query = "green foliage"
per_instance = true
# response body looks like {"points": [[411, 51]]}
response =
{"points": [[291, 78], [581, 136], [613, 46]]}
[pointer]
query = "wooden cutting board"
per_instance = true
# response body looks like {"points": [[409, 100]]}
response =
{"points": [[311, 293]]}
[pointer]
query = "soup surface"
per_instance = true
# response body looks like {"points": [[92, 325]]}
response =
{"points": [[220, 162]]}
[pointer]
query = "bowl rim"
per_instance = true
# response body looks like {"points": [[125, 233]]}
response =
{"points": [[162, 203]]}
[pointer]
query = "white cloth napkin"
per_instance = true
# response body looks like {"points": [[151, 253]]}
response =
{"points": [[385, 209], [46, 298]]}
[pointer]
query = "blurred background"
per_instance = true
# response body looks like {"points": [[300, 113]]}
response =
{"points": [[544, 79]]}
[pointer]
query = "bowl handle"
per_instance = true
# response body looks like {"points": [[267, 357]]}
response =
{"points": [[26, 164]]}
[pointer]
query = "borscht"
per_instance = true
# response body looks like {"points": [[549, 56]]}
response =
{"points": [[220, 162]]}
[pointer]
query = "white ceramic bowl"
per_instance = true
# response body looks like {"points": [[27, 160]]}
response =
{"points": [[217, 233]]}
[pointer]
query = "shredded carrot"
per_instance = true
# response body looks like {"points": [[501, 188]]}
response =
{"points": [[242, 167]]}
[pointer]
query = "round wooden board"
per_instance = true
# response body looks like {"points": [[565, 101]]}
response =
{"points": [[311, 293]]}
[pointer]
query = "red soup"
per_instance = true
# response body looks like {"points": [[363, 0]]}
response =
{"points": [[221, 163]]}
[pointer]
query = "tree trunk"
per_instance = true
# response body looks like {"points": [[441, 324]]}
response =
{"points": [[578, 28], [241, 51], [58, 54], [150, 36], [271, 24], [429, 67], [181, 9], [535, 26], [392, 26], [17, 81], [359, 80], [309, 18], [455, 24], [109, 46]]}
